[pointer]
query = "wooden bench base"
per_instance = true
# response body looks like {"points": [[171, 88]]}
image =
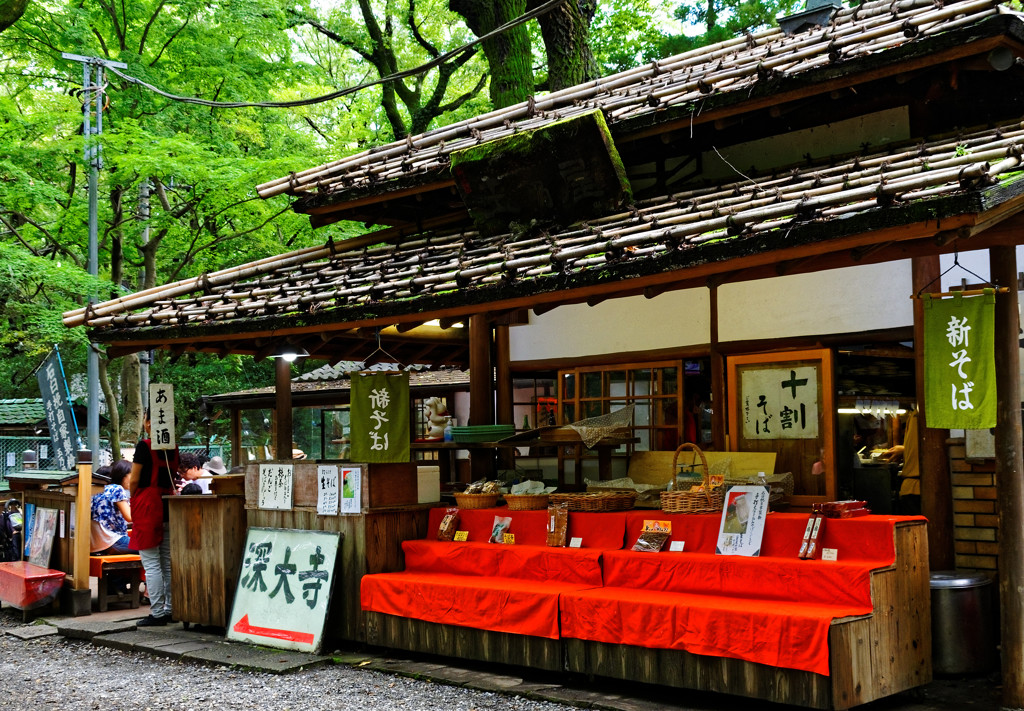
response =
{"points": [[463, 642], [127, 566]]}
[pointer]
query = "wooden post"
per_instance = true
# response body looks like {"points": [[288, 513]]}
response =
{"points": [[83, 522], [1009, 471], [718, 407], [481, 391], [236, 437], [936, 484], [503, 390], [283, 421]]}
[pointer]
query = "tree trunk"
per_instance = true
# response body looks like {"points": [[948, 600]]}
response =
{"points": [[10, 12], [115, 419], [131, 391], [566, 33], [508, 55]]}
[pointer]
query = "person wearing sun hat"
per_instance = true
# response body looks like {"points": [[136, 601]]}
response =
{"points": [[215, 466]]}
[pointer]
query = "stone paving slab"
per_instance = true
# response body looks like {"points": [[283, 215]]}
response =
{"points": [[173, 650], [28, 632], [275, 661], [493, 682], [78, 628]]}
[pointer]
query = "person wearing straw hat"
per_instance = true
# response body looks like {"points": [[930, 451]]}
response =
{"points": [[215, 466]]}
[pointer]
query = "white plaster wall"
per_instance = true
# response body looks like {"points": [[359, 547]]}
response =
{"points": [[671, 320], [846, 300], [852, 299]]}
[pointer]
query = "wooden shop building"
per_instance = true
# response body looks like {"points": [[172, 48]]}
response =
{"points": [[656, 238]]}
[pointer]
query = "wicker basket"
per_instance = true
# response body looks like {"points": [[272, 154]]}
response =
{"points": [[707, 501], [526, 502], [610, 501], [476, 501]]}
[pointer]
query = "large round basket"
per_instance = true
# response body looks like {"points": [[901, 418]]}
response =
{"points": [[709, 500], [609, 501], [476, 501], [526, 502]]}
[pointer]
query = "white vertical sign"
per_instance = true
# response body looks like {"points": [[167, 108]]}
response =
{"points": [[351, 489], [327, 490], [276, 486], [161, 416]]}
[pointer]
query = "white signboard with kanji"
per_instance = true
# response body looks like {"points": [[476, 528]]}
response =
{"points": [[780, 403], [284, 588], [276, 486], [327, 489], [161, 416]]}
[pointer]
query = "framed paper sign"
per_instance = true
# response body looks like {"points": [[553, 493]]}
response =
{"points": [[742, 526], [276, 486], [284, 588]]}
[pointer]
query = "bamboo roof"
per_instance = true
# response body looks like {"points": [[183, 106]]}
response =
{"points": [[859, 209], [673, 89]]}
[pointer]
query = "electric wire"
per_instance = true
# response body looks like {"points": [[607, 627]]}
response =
{"points": [[437, 61]]}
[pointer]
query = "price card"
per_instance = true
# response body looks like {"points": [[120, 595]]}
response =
{"points": [[461, 536], [830, 554], [509, 539], [576, 542], [676, 546]]}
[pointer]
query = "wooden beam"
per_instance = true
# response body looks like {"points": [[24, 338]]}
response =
{"points": [[283, 420], [717, 376], [504, 414], [481, 391], [936, 485], [1009, 475], [83, 512], [406, 327]]}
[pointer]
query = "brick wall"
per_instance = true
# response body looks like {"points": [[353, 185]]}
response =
{"points": [[975, 520]]}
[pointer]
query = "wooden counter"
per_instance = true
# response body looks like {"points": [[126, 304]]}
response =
{"points": [[207, 541]]}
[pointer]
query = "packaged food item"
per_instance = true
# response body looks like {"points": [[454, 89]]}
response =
{"points": [[809, 545], [558, 523], [449, 525], [501, 526], [491, 487], [650, 541], [477, 487], [653, 536], [845, 509]]}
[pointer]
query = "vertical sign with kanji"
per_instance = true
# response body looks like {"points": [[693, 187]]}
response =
{"points": [[284, 588], [959, 362], [161, 416], [276, 486], [327, 489], [59, 418], [380, 417], [780, 403]]}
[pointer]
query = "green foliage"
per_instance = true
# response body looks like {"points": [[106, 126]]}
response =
{"points": [[712, 21]]}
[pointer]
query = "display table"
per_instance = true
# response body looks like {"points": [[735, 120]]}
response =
{"points": [[824, 634], [207, 538]]}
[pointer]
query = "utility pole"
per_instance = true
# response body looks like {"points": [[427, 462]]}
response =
{"points": [[92, 93]]}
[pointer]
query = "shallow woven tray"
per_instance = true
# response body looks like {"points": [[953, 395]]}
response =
{"points": [[610, 501], [526, 502], [476, 501]]}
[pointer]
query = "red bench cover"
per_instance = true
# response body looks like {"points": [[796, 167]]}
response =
{"points": [[771, 610], [27, 586], [488, 586]]}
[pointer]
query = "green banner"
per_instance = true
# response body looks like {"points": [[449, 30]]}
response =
{"points": [[380, 417], [959, 362]]}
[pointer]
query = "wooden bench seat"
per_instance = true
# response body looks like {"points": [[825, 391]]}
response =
{"points": [[822, 634], [129, 567]]}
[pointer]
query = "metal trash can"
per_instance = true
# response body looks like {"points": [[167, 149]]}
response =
{"points": [[963, 624]]}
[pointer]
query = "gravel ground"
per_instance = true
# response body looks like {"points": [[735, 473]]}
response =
{"points": [[59, 673]]}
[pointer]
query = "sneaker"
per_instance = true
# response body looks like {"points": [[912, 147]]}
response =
{"points": [[150, 621]]}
